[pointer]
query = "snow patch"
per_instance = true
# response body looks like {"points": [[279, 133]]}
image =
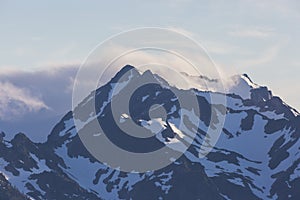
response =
{"points": [[145, 97], [124, 117], [155, 125], [240, 85]]}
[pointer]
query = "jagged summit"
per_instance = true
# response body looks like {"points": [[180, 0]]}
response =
{"points": [[241, 85], [248, 80], [123, 71], [256, 157], [238, 84]]}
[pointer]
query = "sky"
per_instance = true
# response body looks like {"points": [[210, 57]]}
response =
{"points": [[45, 42]]}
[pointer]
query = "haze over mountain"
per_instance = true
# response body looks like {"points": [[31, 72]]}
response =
{"points": [[33, 101], [256, 156]]}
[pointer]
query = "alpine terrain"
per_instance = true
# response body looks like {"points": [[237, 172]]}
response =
{"points": [[256, 157]]}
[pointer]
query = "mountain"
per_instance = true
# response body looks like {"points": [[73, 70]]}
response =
{"points": [[7, 191], [256, 157]]}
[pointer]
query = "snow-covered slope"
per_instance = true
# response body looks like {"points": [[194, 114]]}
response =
{"points": [[256, 157]]}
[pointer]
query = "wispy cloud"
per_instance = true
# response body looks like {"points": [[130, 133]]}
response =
{"points": [[267, 56], [36, 38], [182, 31], [28, 91], [219, 47], [33, 101], [254, 32], [282, 8], [16, 101]]}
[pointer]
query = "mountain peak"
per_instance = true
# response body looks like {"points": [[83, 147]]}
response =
{"points": [[232, 168], [124, 71], [127, 68], [248, 80], [241, 85]]}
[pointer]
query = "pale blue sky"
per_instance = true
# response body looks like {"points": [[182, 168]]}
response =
{"points": [[260, 38]]}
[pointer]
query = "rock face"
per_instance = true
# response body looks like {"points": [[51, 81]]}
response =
{"points": [[7, 191], [256, 157]]}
